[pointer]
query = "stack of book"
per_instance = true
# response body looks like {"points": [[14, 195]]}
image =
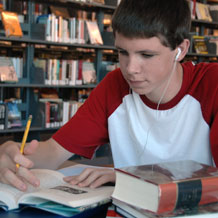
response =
{"points": [[170, 189]]}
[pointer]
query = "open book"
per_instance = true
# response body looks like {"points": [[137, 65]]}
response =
{"points": [[54, 195]]}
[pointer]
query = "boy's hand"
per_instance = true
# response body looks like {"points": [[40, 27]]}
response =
{"points": [[9, 156], [92, 177]]}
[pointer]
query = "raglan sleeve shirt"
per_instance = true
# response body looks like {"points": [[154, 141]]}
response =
{"points": [[88, 128]]}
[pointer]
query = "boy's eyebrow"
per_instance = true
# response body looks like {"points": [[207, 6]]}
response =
{"points": [[117, 47], [140, 51]]}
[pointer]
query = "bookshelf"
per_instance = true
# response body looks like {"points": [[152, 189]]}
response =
{"points": [[202, 28], [34, 45]]}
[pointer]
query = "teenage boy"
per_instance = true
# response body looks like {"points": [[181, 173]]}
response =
{"points": [[152, 109]]}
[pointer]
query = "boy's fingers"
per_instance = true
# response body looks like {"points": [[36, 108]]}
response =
{"points": [[23, 161], [92, 177], [28, 150], [107, 178], [28, 176], [97, 178], [15, 156], [12, 179], [75, 180], [9, 174]]}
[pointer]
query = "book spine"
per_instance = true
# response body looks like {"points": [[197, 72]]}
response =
{"points": [[179, 195], [188, 194]]}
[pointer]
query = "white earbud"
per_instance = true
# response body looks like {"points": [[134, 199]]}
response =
{"points": [[178, 54]]}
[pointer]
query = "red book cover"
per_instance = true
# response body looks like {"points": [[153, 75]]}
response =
{"points": [[80, 69], [179, 184], [47, 114]]}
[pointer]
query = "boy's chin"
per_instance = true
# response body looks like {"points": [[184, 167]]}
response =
{"points": [[139, 91]]}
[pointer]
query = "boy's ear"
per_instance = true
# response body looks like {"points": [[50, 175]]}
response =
{"points": [[184, 46]]}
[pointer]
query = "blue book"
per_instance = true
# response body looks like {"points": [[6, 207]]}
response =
{"points": [[45, 19]]}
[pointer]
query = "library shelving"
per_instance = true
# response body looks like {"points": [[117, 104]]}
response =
{"points": [[205, 28], [33, 45]]}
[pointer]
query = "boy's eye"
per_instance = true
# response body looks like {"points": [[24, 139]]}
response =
{"points": [[147, 55], [121, 52]]}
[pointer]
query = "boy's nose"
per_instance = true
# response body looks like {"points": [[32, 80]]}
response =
{"points": [[132, 66]]}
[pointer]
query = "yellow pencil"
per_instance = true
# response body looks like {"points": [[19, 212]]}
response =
{"points": [[25, 137]]}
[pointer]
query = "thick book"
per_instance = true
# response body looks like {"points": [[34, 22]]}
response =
{"points": [[54, 195], [167, 186], [11, 24]]}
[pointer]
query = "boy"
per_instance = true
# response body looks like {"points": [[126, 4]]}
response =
{"points": [[152, 109]]}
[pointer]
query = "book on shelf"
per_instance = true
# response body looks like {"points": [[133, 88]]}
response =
{"points": [[64, 72], [3, 115], [94, 32], [203, 12], [52, 113], [69, 109], [200, 45], [13, 113], [129, 211], [167, 186], [49, 112], [46, 20], [192, 6], [63, 28], [18, 66], [214, 12], [88, 72], [11, 24], [54, 195], [60, 11], [7, 70], [96, 1], [66, 108]]}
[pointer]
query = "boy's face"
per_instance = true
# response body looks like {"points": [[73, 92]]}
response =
{"points": [[145, 64]]}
